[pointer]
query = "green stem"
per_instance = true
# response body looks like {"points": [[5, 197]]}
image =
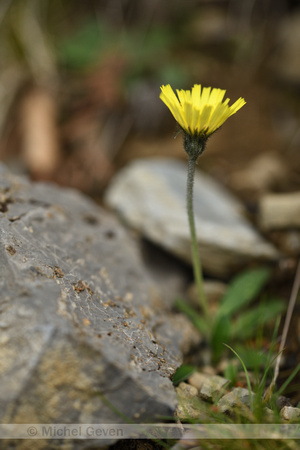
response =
{"points": [[195, 253]]}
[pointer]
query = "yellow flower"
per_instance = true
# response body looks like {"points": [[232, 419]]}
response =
{"points": [[199, 112]]}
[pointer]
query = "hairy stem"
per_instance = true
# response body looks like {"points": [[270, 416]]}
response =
{"points": [[195, 253]]}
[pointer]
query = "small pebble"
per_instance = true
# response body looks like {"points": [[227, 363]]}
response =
{"points": [[237, 397], [197, 379], [187, 390], [213, 388], [289, 413], [189, 405]]}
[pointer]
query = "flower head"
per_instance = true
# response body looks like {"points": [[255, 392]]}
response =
{"points": [[199, 112]]}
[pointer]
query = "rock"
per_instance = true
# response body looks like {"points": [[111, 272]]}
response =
{"points": [[189, 405], [180, 336], [289, 413], [237, 398], [280, 211], [170, 274], [77, 314], [186, 390], [149, 194], [213, 388], [197, 379]]}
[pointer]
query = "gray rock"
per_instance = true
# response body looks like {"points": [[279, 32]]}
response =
{"points": [[237, 398], [149, 194], [171, 275], [77, 314]]}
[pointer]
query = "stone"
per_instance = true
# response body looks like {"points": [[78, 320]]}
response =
{"points": [[180, 336], [170, 274], [186, 390], [78, 315], [197, 379], [289, 413], [213, 388], [190, 406], [149, 194], [237, 398], [280, 211]]}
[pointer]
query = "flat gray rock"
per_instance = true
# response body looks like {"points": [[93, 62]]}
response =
{"points": [[77, 314], [149, 194]]}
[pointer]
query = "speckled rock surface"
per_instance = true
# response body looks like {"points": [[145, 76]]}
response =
{"points": [[77, 314]]}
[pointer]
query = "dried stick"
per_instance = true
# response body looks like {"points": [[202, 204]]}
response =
{"points": [[286, 326]]}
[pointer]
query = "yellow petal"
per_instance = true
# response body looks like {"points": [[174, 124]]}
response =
{"points": [[199, 110]]}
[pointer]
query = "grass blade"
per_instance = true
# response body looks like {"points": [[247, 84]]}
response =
{"points": [[246, 374]]}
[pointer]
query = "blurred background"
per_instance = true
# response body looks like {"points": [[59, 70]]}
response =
{"points": [[80, 84]]}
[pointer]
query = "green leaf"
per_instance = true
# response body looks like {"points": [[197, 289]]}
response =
{"points": [[197, 320], [247, 323], [242, 290], [182, 373]]}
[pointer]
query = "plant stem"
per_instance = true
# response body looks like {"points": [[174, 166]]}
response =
{"points": [[195, 253], [292, 301]]}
